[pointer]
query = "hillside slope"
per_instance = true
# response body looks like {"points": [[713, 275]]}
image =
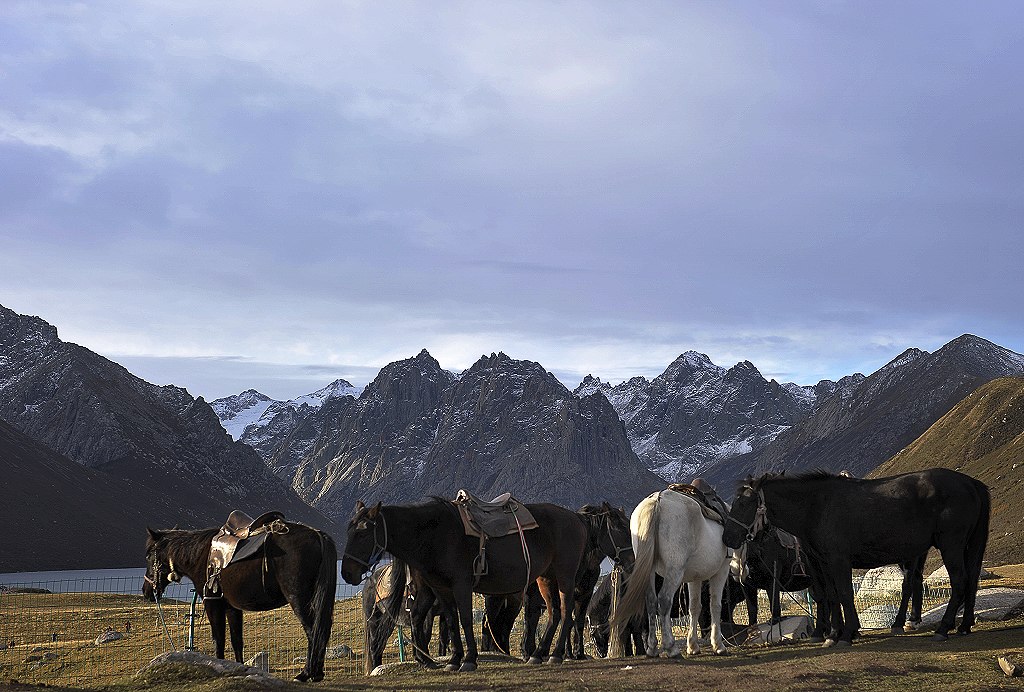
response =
{"points": [[982, 436]]}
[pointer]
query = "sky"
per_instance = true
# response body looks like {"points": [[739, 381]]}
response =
{"points": [[274, 195]]}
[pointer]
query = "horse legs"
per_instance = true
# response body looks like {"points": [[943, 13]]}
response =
{"points": [[547, 592], [910, 591], [581, 605], [464, 605], [953, 557], [234, 617], [842, 577], [215, 615], [717, 586], [420, 625], [662, 609], [530, 619]]}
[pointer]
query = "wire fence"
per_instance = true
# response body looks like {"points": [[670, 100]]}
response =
{"points": [[100, 631]]}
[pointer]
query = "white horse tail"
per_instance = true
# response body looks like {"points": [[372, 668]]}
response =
{"points": [[645, 537]]}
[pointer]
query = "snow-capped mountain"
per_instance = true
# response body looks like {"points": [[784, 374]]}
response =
{"points": [[251, 408], [697, 413], [859, 429]]}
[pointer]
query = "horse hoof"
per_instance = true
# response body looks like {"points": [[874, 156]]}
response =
{"points": [[535, 661], [554, 660], [962, 633], [467, 667], [843, 643], [828, 643], [898, 630], [451, 668], [723, 652], [939, 637], [302, 677], [816, 639]]}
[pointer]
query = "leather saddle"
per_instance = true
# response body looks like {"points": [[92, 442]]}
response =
{"points": [[240, 538], [711, 506], [500, 517]]}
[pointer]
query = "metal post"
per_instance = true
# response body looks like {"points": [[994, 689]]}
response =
{"points": [[191, 642], [401, 645]]}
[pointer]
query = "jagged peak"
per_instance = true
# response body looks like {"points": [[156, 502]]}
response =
{"points": [[690, 363], [905, 358], [745, 367]]}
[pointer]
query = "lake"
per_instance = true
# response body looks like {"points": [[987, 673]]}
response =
{"points": [[126, 580]]}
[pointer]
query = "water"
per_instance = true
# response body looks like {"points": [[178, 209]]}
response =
{"points": [[125, 580]]}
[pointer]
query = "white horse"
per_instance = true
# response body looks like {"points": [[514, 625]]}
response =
{"points": [[673, 539]]}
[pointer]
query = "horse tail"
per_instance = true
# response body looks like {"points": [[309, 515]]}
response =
{"points": [[322, 603], [645, 536], [978, 540]]}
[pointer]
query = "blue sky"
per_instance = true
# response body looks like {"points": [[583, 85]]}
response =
{"points": [[230, 195]]}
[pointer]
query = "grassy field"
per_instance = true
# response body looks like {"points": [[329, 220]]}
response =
{"points": [[879, 661]]}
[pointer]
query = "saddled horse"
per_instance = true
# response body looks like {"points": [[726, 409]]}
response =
{"points": [[297, 567], [673, 539], [847, 523], [608, 536], [430, 537]]}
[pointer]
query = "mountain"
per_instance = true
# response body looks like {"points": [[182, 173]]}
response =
{"points": [[502, 425], [697, 413], [858, 429], [982, 436], [251, 411], [97, 414], [61, 515]]}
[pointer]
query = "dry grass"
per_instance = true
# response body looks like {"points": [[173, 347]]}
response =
{"points": [[879, 661]]}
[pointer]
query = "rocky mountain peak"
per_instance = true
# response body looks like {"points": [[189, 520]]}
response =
{"points": [[27, 331], [689, 366]]}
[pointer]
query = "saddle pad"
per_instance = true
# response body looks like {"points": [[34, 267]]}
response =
{"points": [[491, 519], [712, 513]]}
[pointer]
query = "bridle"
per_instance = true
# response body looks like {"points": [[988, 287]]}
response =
{"points": [[157, 568], [759, 521], [379, 548]]}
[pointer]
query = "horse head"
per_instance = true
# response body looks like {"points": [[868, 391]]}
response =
{"points": [[609, 531], [159, 566], [746, 517], [367, 539]]}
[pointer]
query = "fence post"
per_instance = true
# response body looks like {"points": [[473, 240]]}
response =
{"points": [[191, 643]]}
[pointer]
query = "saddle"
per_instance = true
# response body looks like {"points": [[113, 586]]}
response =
{"points": [[501, 516], [239, 538], [791, 542], [711, 505]]}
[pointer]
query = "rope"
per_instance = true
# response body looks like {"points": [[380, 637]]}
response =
{"points": [[160, 612]]}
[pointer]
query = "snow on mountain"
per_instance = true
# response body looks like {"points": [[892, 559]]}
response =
{"points": [[251, 408]]}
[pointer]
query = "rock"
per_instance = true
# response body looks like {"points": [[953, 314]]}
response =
{"points": [[109, 636], [340, 651], [219, 666], [940, 577], [878, 616], [791, 628], [261, 661], [881, 580], [992, 604]]}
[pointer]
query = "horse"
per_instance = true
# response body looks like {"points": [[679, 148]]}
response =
{"points": [[672, 538], [430, 537], [845, 523], [912, 593], [389, 603], [298, 567], [607, 536], [633, 636]]}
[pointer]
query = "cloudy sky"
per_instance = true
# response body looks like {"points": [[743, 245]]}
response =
{"points": [[224, 195]]}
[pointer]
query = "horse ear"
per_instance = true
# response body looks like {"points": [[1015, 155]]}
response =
{"points": [[359, 506], [154, 536], [374, 511], [605, 507]]}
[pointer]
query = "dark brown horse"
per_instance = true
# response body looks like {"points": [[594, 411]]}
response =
{"points": [[430, 537], [296, 568], [845, 523]]}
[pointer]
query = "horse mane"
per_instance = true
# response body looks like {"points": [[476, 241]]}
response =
{"points": [[187, 546], [813, 475]]}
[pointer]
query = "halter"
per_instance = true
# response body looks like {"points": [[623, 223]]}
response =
{"points": [[378, 548], [172, 575], [617, 559]]}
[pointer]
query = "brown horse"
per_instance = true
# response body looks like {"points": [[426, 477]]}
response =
{"points": [[297, 568], [430, 538]]}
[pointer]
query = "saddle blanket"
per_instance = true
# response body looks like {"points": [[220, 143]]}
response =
{"points": [[715, 514], [240, 538]]}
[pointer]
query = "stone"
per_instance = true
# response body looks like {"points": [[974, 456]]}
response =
{"points": [[940, 577], [109, 636], [877, 617], [881, 580], [340, 651], [219, 666], [789, 629], [992, 604]]}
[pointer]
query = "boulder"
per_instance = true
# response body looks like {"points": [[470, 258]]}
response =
{"points": [[791, 628], [940, 577], [340, 651], [217, 666], [881, 580], [109, 636]]}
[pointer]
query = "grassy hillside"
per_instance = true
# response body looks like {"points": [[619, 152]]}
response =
{"points": [[982, 436]]}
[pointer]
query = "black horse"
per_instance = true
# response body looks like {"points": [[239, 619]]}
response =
{"points": [[430, 538], [845, 523], [297, 567], [912, 593], [607, 536]]}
